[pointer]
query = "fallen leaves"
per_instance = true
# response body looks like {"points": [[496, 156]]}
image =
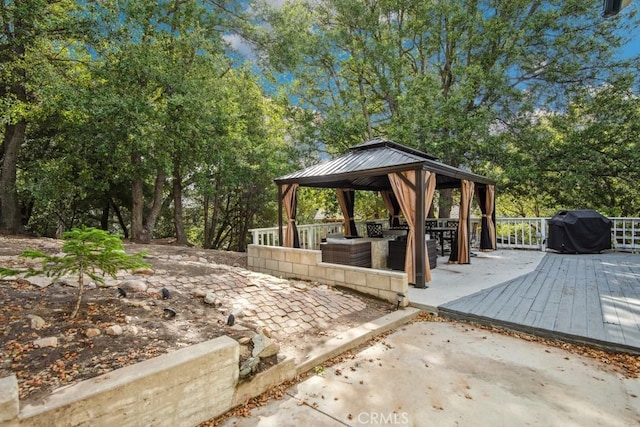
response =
{"points": [[625, 363]]}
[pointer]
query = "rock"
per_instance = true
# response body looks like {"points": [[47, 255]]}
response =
{"points": [[133, 330], [91, 285], [265, 331], [199, 293], [92, 332], [144, 271], [72, 281], [300, 285], [245, 352], [37, 322], [134, 286], [50, 246], [237, 312], [264, 347], [244, 340], [110, 283], [114, 330], [46, 342], [210, 298], [249, 366], [39, 281]]}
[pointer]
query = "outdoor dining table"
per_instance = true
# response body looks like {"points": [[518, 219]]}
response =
{"points": [[440, 232]]}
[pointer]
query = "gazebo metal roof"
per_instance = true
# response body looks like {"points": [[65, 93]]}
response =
{"points": [[366, 166]]}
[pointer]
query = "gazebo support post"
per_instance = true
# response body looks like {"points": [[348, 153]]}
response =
{"points": [[280, 235], [419, 238], [469, 231], [493, 218]]}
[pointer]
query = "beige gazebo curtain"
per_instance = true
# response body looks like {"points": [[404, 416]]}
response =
{"points": [[290, 201], [404, 188], [346, 199], [486, 201], [391, 203], [466, 196]]}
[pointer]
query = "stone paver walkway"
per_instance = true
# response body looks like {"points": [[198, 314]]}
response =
{"points": [[284, 306], [289, 307]]}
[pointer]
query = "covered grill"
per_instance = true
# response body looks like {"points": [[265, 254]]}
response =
{"points": [[579, 231]]}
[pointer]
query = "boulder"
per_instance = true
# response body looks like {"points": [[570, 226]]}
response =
{"points": [[264, 347], [114, 330], [249, 366], [39, 281], [134, 286], [36, 322], [210, 298], [46, 342], [92, 332], [143, 272]]}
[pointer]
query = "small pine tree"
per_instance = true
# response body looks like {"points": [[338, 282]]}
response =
{"points": [[86, 251]]}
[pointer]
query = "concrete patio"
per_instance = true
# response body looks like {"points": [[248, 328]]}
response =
{"points": [[590, 299]]}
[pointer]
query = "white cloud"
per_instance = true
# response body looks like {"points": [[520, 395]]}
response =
{"points": [[240, 45]]}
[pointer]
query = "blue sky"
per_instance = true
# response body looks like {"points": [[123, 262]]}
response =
{"points": [[633, 47]]}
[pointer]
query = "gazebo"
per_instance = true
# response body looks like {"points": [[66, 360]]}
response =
{"points": [[406, 179]]}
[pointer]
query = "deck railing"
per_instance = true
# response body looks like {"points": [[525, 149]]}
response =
{"points": [[511, 233]]}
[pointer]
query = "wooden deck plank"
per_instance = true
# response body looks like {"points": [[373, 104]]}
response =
{"points": [[578, 324], [474, 303], [555, 283], [547, 280], [627, 307], [595, 321], [596, 297], [521, 304], [492, 308], [607, 287], [567, 297]]}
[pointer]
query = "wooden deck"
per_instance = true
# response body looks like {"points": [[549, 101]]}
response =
{"points": [[591, 299]]}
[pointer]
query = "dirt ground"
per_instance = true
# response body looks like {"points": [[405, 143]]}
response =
{"points": [[148, 329]]}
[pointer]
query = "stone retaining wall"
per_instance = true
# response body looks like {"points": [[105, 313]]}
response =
{"points": [[307, 265], [182, 388]]}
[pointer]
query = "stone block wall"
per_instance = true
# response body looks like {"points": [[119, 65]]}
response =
{"points": [[307, 265], [182, 388]]}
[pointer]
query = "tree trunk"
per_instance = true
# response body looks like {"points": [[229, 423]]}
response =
{"points": [[141, 227], [123, 225], [156, 207], [104, 218], [178, 222], [76, 307], [213, 223], [10, 218], [137, 209], [446, 203], [207, 228]]}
